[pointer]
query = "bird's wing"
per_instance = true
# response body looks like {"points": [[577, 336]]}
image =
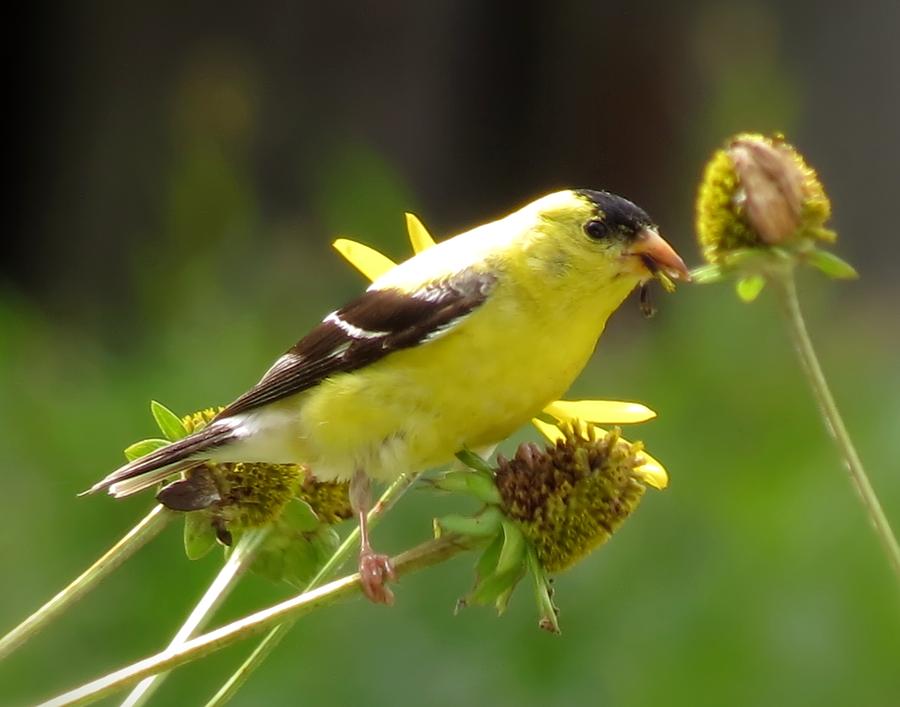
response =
{"points": [[366, 330]]}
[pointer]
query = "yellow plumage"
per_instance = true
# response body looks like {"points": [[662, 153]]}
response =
{"points": [[493, 371], [456, 347]]}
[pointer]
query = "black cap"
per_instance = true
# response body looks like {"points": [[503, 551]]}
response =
{"points": [[616, 211]]}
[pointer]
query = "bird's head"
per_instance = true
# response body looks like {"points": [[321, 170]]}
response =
{"points": [[603, 232]]}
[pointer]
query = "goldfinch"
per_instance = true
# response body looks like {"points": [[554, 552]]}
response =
{"points": [[454, 348]]}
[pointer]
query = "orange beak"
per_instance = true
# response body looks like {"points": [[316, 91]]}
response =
{"points": [[659, 255]]}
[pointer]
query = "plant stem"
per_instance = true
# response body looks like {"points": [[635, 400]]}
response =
{"points": [[790, 304], [238, 562], [273, 638], [148, 528], [428, 553]]}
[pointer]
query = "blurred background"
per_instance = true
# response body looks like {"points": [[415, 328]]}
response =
{"points": [[179, 171]]}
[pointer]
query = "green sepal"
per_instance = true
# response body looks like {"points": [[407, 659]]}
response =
{"points": [[199, 535], [543, 594], [495, 588], [143, 448], [168, 422], [499, 568], [474, 461], [487, 562], [743, 257], [512, 554], [748, 288], [483, 525], [475, 483], [831, 265], [707, 274]]}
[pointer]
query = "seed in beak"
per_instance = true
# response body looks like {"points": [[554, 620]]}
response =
{"points": [[657, 254]]}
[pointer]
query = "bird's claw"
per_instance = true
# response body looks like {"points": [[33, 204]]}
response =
{"points": [[374, 572]]}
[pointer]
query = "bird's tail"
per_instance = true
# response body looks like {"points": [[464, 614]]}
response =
{"points": [[148, 470]]}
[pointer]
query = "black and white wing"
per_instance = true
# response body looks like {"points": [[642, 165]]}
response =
{"points": [[366, 330]]}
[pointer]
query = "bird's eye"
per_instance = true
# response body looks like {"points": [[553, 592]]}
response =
{"points": [[596, 229]]}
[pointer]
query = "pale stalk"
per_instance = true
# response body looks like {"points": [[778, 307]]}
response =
{"points": [[787, 295], [273, 638], [238, 563], [428, 553], [147, 529]]}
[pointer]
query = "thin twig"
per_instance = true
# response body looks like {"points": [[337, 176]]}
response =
{"points": [[147, 529], [428, 553], [238, 562], [790, 304], [234, 683]]}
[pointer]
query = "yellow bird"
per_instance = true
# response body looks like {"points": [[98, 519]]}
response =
{"points": [[456, 347]]}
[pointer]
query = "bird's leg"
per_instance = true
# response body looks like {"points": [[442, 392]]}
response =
{"points": [[374, 569]]}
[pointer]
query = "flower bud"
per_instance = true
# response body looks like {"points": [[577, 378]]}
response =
{"points": [[759, 192]]}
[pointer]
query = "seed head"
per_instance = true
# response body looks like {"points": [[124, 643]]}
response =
{"points": [[757, 192], [572, 496]]}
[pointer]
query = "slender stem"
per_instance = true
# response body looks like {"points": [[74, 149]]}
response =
{"points": [[147, 529], [428, 553], [787, 291], [238, 562], [273, 638]]}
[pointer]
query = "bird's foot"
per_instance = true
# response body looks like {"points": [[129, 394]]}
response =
{"points": [[374, 572]]}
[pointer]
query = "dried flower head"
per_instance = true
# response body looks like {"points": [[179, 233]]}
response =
{"points": [[546, 509], [572, 496], [329, 499], [759, 191], [222, 500]]}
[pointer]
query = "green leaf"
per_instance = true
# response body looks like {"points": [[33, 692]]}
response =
{"points": [[748, 288], [833, 266], [325, 542], [299, 515], [270, 563], [168, 422], [143, 448], [300, 563], [199, 535]]}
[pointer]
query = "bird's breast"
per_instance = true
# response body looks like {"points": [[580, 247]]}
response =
{"points": [[472, 386]]}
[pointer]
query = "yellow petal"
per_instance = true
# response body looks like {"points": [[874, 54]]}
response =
{"points": [[551, 432], [652, 473], [419, 236], [367, 260], [604, 412]]}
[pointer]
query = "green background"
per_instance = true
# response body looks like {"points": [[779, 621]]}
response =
{"points": [[183, 173]]}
